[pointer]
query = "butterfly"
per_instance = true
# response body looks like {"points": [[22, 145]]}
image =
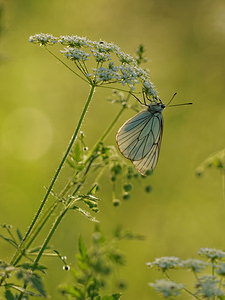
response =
{"points": [[139, 139]]}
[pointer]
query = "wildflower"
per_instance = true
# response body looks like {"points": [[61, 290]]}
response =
{"points": [[220, 269], [211, 253], [73, 41], [167, 288], [106, 74], [100, 56], [195, 265], [165, 263], [207, 287], [75, 54], [104, 47], [124, 69], [129, 75], [43, 39], [149, 88], [126, 58]]}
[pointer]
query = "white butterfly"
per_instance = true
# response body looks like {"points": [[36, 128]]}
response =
{"points": [[140, 137]]}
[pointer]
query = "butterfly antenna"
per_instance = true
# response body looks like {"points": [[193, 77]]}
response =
{"points": [[137, 98], [188, 103], [171, 99]]}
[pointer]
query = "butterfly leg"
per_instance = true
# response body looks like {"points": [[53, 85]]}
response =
{"points": [[137, 99]]}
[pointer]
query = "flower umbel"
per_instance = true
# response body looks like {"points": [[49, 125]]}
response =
{"points": [[167, 288], [165, 263], [109, 64], [212, 253], [207, 287], [195, 265], [43, 39]]}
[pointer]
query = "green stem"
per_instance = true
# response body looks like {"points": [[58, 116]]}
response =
{"points": [[55, 176], [51, 232], [105, 134], [41, 225], [66, 65]]}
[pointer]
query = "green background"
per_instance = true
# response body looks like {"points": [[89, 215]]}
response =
{"points": [[41, 102]]}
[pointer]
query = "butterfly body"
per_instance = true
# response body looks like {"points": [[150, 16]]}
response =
{"points": [[139, 138]]}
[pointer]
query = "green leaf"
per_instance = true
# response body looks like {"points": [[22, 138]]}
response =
{"points": [[31, 278], [24, 291], [77, 153], [10, 241], [93, 189], [82, 248], [19, 234], [87, 214], [72, 291], [37, 249], [9, 295], [29, 266]]}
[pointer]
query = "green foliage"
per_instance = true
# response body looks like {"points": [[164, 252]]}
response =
{"points": [[96, 266], [216, 160], [25, 273]]}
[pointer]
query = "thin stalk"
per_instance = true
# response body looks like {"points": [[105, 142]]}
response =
{"points": [[186, 290], [66, 65], [113, 88], [42, 223], [56, 175], [105, 134], [50, 234]]}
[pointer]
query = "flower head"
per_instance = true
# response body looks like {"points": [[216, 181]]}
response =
{"points": [[167, 288], [195, 265], [207, 287], [75, 54], [220, 269], [165, 263], [43, 39], [73, 41], [111, 64], [211, 253]]}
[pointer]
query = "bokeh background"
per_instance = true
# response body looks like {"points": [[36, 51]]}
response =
{"points": [[41, 102]]}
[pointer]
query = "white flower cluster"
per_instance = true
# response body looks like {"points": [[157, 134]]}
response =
{"points": [[75, 54], [195, 265], [126, 71], [208, 287], [73, 41], [43, 39], [165, 263], [167, 288], [211, 253], [220, 269]]}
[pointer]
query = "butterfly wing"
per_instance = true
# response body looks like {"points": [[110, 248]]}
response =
{"points": [[148, 163], [139, 139]]}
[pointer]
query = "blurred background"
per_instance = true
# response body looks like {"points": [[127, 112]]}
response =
{"points": [[185, 44]]}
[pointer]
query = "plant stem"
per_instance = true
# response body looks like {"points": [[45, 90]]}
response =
{"points": [[50, 234], [55, 176], [66, 65], [52, 208]]}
